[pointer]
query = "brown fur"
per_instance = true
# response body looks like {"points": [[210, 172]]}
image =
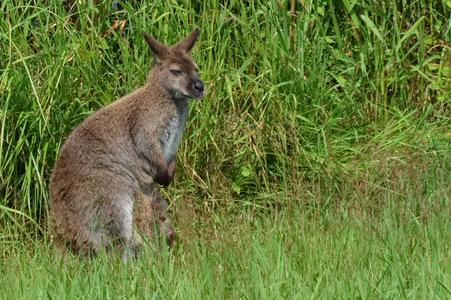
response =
{"points": [[116, 155]]}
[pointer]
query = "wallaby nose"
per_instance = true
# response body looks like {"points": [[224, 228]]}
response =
{"points": [[199, 86]]}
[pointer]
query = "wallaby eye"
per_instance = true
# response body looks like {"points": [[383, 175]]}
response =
{"points": [[176, 72]]}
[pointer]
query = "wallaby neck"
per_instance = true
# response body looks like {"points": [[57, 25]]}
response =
{"points": [[173, 130]]}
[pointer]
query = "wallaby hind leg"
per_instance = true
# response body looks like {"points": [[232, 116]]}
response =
{"points": [[160, 206], [150, 209], [76, 217], [110, 212]]}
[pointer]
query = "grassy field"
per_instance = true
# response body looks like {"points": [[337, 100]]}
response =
{"points": [[316, 166]]}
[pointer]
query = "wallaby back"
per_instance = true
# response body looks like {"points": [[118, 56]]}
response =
{"points": [[118, 152]]}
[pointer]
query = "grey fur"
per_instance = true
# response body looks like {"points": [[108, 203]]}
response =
{"points": [[115, 157]]}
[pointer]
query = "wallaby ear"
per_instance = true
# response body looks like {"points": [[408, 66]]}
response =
{"points": [[187, 43], [158, 49]]}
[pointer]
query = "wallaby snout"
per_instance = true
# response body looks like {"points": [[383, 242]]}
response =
{"points": [[115, 157], [199, 87]]}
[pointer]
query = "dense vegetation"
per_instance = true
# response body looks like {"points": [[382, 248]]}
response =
{"points": [[317, 164]]}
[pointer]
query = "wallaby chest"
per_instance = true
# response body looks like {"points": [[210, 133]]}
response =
{"points": [[172, 132]]}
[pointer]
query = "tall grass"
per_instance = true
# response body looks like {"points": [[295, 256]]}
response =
{"points": [[332, 115]]}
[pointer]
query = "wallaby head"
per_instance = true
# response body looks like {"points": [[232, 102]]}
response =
{"points": [[174, 70]]}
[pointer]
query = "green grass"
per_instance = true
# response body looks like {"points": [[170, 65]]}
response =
{"points": [[316, 166], [301, 254]]}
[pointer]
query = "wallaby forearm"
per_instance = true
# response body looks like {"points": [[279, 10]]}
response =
{"points": [[165, 172]]}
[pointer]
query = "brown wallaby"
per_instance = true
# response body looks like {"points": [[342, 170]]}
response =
{"points": [[114, 157]]}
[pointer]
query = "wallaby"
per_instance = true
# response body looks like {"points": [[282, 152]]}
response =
{"points": [[115, 156]]}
